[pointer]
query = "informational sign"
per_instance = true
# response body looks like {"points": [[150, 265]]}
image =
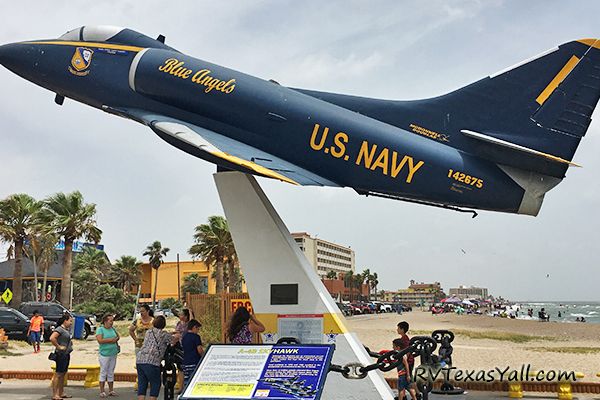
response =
{"points": [[7, 296], [307, 328], [235, 303], [278, 372]]}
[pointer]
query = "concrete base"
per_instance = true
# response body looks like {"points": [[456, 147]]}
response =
{"points": [[269, 256]]}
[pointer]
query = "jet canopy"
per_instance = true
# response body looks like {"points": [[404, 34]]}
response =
{"points": [[92, 33], [113, 34]]}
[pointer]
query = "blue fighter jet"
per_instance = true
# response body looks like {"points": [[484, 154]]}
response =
{"points": [[498, 144]]}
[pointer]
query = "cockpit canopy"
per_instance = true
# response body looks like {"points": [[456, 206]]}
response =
{"points": [[112, 34], [93, 33]]}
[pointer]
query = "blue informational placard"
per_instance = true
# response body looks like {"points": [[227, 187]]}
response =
{"points": [[294, 372], [271, 372]]}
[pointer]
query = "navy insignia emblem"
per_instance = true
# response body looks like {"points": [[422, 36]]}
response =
{"points": [[81, 61]]}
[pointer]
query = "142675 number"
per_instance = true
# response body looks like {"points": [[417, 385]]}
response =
{"points": [[464, 178]]}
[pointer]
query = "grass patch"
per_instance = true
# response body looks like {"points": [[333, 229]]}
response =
{"points": [[501, 336], [7, 353], [491, 335], [571, 350], [122, 327]]}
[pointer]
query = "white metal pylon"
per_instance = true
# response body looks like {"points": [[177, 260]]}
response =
{"points": [[286, 293]]}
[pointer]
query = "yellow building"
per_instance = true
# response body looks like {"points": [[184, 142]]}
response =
{"points": [[168, 282]]}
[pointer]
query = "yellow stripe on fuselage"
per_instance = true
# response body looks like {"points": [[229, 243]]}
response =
{"points": [[95, 45], [562, 74]]}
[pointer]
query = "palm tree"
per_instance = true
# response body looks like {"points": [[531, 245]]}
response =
{"points": [[349, 282], [41, 250], [155, 253], [18, 217], [69, 217], [91, 258], [358, 281], [373, 282], [126, 271], [213, 244], [366, 274], [193, 284], [331, 275], [46, 257]]}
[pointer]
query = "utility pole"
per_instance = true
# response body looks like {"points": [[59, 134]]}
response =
{"points": [[178, 280]]}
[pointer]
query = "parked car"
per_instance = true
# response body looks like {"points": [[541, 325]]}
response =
{"points": [[345, 309], [52, 311], [16, 324], [364, 308], [384, 307]]}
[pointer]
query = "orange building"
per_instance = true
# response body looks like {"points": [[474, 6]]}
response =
{"points": [[167, 279]]}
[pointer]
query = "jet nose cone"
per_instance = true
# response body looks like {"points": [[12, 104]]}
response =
{"points": [[9, 53]]}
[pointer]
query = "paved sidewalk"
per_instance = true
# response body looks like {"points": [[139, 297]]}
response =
{"points": [[37, 390]]}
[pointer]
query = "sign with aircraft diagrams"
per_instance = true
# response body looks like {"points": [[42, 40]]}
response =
{"points": [[277, 372]]}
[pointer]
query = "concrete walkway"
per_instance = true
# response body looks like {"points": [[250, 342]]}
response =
{"points": [[38, 390]]}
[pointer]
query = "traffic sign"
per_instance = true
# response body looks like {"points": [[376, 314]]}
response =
{"points": [[7, 296]]}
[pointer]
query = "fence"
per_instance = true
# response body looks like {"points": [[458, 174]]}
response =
{"points": [[213, 311]]}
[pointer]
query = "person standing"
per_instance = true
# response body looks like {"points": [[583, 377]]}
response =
{"points": [[404, 377], [35, 332], [181, 328], [402, 330], [182, 324], [140, 326], [108, 339], [150, 355], [192, 350], [242, 326], [63, 346]]}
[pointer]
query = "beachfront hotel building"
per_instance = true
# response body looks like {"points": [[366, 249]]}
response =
{"points": [[418, 293], [325, 256], [470, 292]]}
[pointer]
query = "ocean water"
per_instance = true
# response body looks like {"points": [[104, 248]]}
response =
{"points": [[569, 310]]}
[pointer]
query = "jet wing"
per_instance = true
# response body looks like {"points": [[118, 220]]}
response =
{"points": [[215, 145]]}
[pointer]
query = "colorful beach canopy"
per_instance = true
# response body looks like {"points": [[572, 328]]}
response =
{"points": [[451, 300]]}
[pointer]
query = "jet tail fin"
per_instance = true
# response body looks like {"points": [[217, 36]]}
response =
{"points": [[530, 116]]}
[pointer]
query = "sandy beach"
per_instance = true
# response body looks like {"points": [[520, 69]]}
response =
{"points": [[511, 342], [481, 342]]}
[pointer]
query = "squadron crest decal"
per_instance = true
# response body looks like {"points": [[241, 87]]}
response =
{"points": [[81, 61]]}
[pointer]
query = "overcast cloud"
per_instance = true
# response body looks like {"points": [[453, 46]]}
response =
{"points": [[147, 190]]}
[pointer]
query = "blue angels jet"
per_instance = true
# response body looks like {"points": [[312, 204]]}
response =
{"points": [[498, 144]]}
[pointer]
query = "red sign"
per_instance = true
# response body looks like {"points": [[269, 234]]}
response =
{"points": [[235, 303]]}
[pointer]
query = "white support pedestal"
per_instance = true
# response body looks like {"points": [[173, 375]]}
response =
{"points": [[268, 256]]}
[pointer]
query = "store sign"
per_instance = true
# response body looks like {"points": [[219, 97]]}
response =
{"points": [[278, 372], [235, 303], [78, 246]]}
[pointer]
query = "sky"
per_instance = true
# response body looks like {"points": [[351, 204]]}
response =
{"points": [[146, 190]]}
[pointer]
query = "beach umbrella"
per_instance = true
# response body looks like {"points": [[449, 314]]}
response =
{"points": [[467, 302], [451, 300]]}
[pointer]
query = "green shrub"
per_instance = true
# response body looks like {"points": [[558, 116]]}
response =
{"points": [[171, 304], [108, 300]]}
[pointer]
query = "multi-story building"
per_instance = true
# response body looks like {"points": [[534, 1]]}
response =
{"points": [[325, 256], [469, 292], [420, 294]]}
